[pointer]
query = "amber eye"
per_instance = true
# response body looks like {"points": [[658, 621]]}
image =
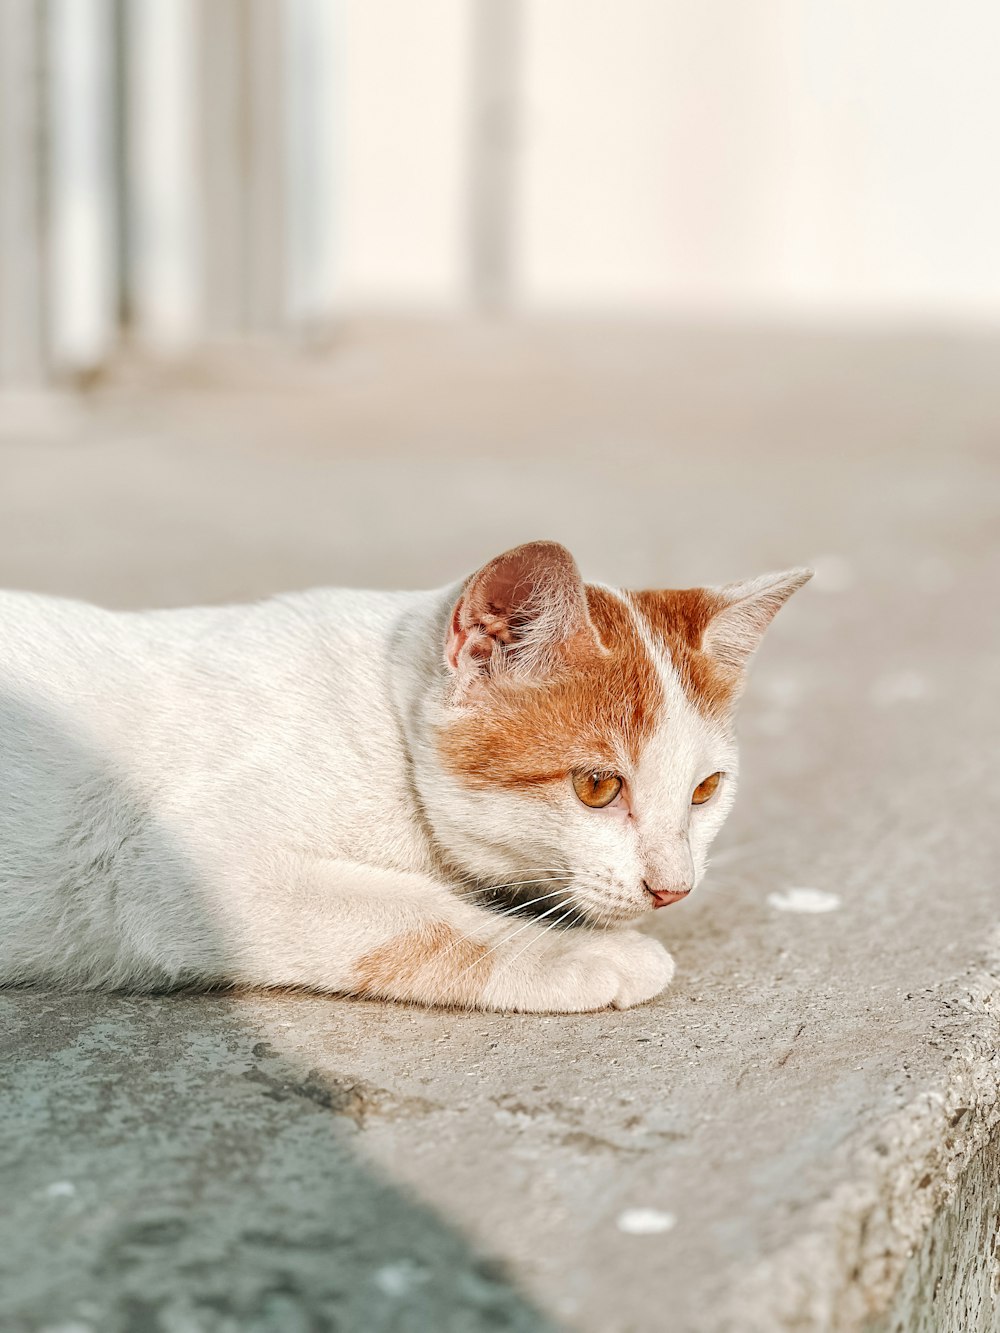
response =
{"points": [[707, 789], [597, 789]]}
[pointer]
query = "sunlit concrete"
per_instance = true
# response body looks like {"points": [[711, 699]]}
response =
{"points": [[791, 1115]]}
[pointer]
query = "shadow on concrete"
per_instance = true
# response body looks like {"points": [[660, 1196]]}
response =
{"points": [[166, 1167]]}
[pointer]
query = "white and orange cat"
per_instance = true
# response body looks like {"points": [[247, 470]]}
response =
{"points": [[461, 797]]}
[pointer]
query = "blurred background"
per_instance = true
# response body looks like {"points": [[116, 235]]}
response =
{"points": [[173, 172], [300, 292]]}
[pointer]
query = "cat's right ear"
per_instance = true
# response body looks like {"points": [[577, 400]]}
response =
{"points": [[518, 617]]}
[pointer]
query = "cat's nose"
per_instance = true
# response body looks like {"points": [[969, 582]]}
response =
{"points": [[664, 897]]}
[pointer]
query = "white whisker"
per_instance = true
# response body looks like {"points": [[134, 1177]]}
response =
{"points": [[551, 926], [518, 907], [507, 938], [558, 921], [480, 889], [509, 911], [463, 939]]}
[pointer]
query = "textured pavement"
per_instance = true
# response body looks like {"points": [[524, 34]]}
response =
{"points": [[803, 1109]]}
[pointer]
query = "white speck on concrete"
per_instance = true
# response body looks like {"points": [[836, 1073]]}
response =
{"points": [[61, 1189], [400, 1278], [804, 900], [645, 1222], [898, 687], [832, 573]]}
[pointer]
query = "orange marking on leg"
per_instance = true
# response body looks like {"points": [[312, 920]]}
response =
{"points": [[434, 965]]}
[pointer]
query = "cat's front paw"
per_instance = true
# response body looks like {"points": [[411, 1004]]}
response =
{"points": [[633, 965], [586, 970]]}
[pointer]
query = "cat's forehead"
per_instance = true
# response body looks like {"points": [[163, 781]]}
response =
{"points": [[644, 678]]}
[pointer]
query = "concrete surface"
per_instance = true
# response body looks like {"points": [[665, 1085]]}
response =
{"points": [[812, 1110]]}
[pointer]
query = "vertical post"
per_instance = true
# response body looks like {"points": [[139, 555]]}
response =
{"points": [[264, 174], [120, 156], [81, 181], [24, 194], [241, 171], [496, 33], [311, 113], [165, 273], [221, 41]]}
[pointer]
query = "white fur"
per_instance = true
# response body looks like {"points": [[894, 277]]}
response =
{"points": [[253, 794], [605, 854]]}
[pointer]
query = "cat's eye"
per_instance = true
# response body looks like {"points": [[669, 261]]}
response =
{"points": [[707, 789], [597, 789]]}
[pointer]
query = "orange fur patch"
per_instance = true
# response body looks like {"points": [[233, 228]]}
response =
{"points": [[595, 711], [679, 618], [434, 965]]}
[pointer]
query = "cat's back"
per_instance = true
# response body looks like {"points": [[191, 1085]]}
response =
{"points": [[73, 646], [155, 762], [57, 642], [283, 699], [36, 629]]}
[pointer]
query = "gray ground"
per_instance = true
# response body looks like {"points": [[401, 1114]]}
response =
{"points": [[806, 1097]]}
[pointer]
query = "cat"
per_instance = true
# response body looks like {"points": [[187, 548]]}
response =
{"points": [[464, 797]]}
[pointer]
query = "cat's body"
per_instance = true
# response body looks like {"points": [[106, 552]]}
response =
{"points": [[321, 789]]}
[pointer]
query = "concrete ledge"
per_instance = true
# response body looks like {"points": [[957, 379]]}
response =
{"points": [[911, 1243], [802, 1133], [952, 1281]]}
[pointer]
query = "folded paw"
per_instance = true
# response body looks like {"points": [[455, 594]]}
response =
{"points": [[584, 970]]}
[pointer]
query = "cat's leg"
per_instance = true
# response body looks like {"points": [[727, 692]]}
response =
{"points": [[355, 930]]}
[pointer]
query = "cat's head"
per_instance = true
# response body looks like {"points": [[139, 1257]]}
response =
{"points": [[585, 740]]}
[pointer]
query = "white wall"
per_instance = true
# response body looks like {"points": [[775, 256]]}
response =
{"points": [[292, 160], [401, 168], [800, 154]]}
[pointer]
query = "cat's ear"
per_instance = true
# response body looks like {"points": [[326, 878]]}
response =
{"points": [[744, 612], [519, 616]]}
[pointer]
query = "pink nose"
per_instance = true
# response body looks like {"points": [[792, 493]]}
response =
{"points": [[664, 897]]}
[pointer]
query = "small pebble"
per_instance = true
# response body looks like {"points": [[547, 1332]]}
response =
{"points": [[645, 1222], [804, 900], [400, 1278]]}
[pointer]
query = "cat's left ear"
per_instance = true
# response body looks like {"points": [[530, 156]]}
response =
{"points": [[744, 612]]}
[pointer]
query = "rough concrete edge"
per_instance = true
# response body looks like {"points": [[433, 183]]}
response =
{"points": [[843, 1271]]}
